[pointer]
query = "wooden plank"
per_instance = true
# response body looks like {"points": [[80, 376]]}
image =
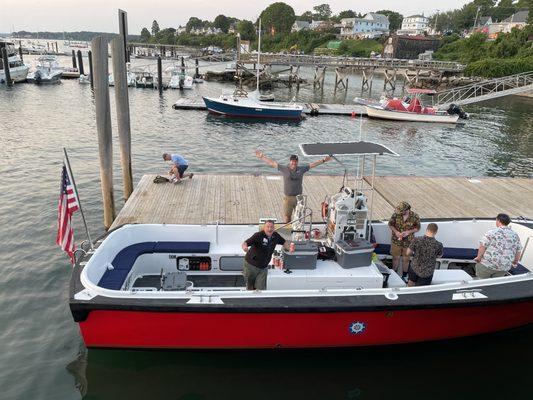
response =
{"points": [[238, 198]]}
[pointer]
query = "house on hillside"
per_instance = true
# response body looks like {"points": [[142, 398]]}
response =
{"points": [[232, 28], [299, 26], [414, 25], [372, 25], [517, 20]]}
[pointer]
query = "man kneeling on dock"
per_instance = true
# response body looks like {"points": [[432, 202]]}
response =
{"points": [[179, 165], [259, 248]]}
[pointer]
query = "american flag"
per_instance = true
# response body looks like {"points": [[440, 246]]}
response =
{"points": [[68, 204]]}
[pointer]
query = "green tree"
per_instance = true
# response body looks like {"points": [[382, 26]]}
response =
{"points": [[222, 22], [246, 29], [193, 23], [395, 19], [277, 18], [322, 12], [155, 28], [306, 16], [145, 35], [347, 14]]}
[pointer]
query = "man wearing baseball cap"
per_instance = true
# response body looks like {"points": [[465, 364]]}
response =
{"points": [[292, 179], [403, 224]]}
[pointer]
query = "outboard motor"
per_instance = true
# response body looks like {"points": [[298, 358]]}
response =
{"points": [[454, 109]]}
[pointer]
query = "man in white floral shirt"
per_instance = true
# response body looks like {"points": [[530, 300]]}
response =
{"points": [[499, 250]]}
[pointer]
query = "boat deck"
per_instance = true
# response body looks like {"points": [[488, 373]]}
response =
{"points": [[308, 108], [243, 199]]}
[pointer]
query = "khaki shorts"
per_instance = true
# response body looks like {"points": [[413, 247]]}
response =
{"points": [[289, 202], [398, 251], [485, 272], [256, 278]]}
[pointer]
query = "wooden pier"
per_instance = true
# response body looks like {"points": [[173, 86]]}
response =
{"points": [[308, 108], [242, 199]]}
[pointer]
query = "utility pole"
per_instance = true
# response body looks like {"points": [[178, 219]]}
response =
{"points": [[477, 13]]}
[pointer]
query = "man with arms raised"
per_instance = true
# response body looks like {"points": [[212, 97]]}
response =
{"points": [[259, 248], [293, 175]]}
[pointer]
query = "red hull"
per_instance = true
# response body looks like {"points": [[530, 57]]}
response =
{"points": [[138, 329]]}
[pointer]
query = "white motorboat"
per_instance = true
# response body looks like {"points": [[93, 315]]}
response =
{"points": [[48, 71], [180, 81], [411, 109], [17, 69], [130, 78]]}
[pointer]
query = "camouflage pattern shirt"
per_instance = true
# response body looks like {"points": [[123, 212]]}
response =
{"points": [[397, 221]]}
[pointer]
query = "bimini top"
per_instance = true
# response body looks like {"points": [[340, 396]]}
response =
{"points": [[345, 148]]}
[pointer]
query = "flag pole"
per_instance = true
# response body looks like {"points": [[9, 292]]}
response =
{"points": [[71, 176]]}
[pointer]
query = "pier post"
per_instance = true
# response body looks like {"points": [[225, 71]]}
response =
{"points": [[20, 53], [48, 47], [197, 70], [368, 79], [159, 76], [57, 49], [103, 126], [80, 63], [123, 113], [90, 57], [5, 61], [74, 64], [389, 84], [123, 30]]}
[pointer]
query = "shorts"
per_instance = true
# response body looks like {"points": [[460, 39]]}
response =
{"points": [[419, 281], [485, 272], [289, 203], [256, 278], [182, 169], [398, 251]]}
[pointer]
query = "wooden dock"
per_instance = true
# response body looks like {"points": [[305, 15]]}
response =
{"points": [[234, 198], [308, 108]]}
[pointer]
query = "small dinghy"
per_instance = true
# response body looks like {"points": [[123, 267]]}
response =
{"points": [[165, 286]]}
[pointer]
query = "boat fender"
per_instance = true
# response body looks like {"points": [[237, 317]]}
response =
{"points": [[325, 210], [109, 267]]}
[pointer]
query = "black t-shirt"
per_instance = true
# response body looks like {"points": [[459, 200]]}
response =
{"points": [[261, 248]]}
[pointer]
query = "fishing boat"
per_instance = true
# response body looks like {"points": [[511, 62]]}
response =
{"points": [[240, 104], [165, 286], [413, 110], [47, 71], [144, 80], [181, 81], [17, 69]]}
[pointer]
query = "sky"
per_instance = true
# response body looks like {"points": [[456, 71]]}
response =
{"points": [[101, 15]]}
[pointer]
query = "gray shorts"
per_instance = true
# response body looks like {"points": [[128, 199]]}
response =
{"points": [[256, 278], [485, 272]]}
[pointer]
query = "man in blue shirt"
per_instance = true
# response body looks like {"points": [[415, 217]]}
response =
{"points": [[179, 165]]}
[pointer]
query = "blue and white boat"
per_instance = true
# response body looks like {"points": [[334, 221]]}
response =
{"points": [[240, 104]]}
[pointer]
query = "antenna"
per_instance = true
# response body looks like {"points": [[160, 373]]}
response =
{"points": [[258, 56]]}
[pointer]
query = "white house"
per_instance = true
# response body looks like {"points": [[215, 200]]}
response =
{"points": [[370, 26], [414, 25], [315, 25], [181, 30], [300, 25]]}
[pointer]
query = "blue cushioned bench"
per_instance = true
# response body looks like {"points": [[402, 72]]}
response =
{"points": [[449, 252], [124, 260]]}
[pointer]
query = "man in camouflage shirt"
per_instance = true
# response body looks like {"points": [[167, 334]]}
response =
{"points": [[403, 224], [425, 251]]}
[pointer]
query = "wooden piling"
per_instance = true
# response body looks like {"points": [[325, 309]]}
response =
{"points": [[123, 113], [103, 126], [160, 75], [74, 64], [20, 53], [80, 63], [57, 49], [5, 61], [90, 58], [123, 30], [197, 71]]}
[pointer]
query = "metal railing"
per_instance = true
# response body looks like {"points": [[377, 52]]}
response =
{"points": [[485, 90], [353, 62]]}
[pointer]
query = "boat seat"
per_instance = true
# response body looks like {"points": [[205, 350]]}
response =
{"points": [[123, 262], [449, 275], [456, 253]]}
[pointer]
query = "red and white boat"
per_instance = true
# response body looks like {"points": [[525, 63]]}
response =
{"points": [[411, 109], [180, 286]]}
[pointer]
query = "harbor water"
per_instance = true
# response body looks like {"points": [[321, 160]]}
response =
{"points": [[41, 352]]}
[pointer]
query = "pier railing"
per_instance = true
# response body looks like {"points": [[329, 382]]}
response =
{"points": [[486, 90], [354, 62]]}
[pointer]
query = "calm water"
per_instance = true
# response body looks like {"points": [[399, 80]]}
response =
{"points": [[41, 353]]}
